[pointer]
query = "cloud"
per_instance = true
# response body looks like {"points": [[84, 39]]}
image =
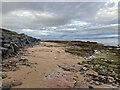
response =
{"points": [[49, 14], [52, 20]]}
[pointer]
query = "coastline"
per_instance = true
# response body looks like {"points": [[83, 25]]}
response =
{"points": [[49, 58]]}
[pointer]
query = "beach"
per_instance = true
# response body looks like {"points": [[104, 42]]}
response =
{"points": [[49, 60]]}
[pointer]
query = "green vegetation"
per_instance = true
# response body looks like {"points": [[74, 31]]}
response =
{"points": [[106, 56], [8, 32]]}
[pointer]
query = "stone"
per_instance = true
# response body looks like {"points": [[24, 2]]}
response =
{"points": [[4, 75], [84, 68], [90, 57], [110, 79], [6, 86], [72, 68], [13, 41], [97, 52], [23, 59], [80, 63], [16, 83], [97, 83], [92, 73], [80, 84], [90, 87], [82, 72]]}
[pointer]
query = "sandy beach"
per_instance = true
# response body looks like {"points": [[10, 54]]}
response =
{"points": [[47, 56], [47, 59]]}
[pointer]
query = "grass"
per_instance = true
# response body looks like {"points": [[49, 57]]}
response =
{"points": [[107, 57]]}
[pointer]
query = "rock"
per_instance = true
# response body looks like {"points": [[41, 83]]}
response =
{"points": [[84, 68], [90, 87], [90, 57], [110, 79], [12, 42], [80, 84], [23, 59], [80, 63], [72, 68], [82, 72], [97, 52], [102, 79], [3, 75], [14, 69], [16, 83], [92, 73], [58, 51], [97, 83], [6, 86]]}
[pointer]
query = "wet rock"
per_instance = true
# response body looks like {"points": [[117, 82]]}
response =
{"points": [[16, 83]]}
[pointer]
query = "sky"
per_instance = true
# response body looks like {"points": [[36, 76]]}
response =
{"points": [[94, 21]]}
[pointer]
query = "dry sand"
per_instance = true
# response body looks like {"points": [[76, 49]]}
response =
{"points": [[47, 56]]}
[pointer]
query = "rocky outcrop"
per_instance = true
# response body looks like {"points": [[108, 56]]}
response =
{"points": [[11, 42]]}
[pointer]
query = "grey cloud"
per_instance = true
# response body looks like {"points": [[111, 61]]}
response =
{"points": [[65, 12]]}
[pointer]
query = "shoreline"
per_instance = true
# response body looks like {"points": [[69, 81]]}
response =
{"points": [[55, 61]]}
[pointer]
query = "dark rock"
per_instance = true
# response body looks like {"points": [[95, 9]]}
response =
{"points": [[80, 63], [6, 86], [90, 87], [12, 42]]}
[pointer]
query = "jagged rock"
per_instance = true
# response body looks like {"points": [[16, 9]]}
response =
{"points": [[12, 42]]}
